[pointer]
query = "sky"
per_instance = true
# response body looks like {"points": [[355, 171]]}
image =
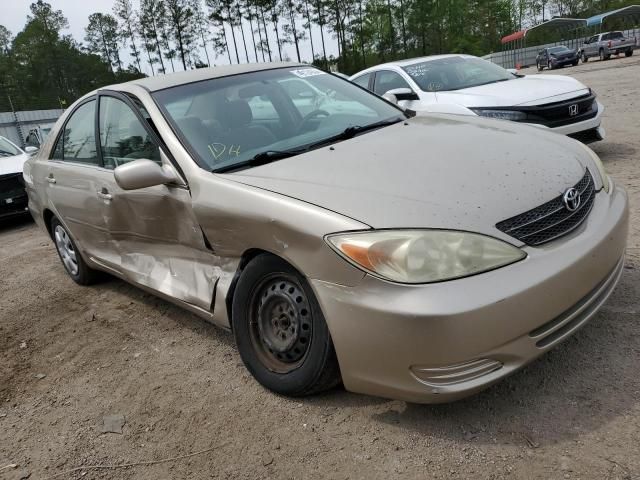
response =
{"points": [[14, 16]]}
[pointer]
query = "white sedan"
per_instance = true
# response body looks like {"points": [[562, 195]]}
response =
{"points": [[467, 85], [13, 197]]}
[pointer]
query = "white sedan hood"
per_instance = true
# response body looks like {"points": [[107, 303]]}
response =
{"points": [[12, 164], [527, 90]]}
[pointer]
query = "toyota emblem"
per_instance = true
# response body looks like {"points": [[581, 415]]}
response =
{"points": [[571, 199]]}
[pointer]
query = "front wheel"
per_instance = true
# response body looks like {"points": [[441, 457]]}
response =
{"points": [[539, 66], [549, 65], [280, 331], [70, 256], [628, 53], [585, 59]]}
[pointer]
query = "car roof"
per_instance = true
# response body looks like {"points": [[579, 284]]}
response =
{"points": [[411, 61], [160, 82]]}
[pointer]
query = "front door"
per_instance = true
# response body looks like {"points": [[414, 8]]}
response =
{"points": [[154, 231]]}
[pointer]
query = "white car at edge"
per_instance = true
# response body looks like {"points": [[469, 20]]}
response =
{"points": [[468, 85]]}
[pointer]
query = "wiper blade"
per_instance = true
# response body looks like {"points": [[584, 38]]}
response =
{"points": [[261, 158], [354, 130]]}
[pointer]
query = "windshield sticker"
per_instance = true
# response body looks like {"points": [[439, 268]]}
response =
{"points": [[307, 72]]}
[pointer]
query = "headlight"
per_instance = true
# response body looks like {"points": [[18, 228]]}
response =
{"points": [[598, 163], [423, 256], [501, 114]]}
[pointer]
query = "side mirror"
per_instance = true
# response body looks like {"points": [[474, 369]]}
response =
{"points": [[31, 149], [397, 94], [144, 173]]}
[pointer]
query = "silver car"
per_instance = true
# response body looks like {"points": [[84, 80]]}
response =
{"points": [[415, 258]]}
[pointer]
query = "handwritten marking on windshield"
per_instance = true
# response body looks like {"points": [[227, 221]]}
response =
{"points": [[218, 150]]}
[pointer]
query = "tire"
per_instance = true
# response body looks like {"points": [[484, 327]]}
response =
{"points": [[280, 331], [70, 256], [585, 59], [628, 53], [603, 57], [575, 64], [549, 65], [539, 66]]}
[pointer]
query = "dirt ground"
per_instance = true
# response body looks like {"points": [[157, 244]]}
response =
{"points": [[179, 383]]}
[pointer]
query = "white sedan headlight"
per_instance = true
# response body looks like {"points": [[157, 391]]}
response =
{"points": [[423, 256], [598, 164], [512, 115]]}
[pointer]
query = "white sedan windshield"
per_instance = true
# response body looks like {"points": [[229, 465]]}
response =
{"points": [[7, 149], [230, 120], [456, 73]]}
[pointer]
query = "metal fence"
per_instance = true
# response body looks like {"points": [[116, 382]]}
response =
{"points": [[527, 56]]}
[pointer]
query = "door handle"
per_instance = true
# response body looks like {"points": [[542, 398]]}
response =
{"points": [[50, 179], [105, 195]]}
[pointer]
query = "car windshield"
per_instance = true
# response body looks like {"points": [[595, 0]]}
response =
{"points": [[230, 120], [456, 73], [7, 149], [558, 49]]}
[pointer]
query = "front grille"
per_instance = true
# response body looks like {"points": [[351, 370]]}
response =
{"points": [[11, 185], [551, 220], [556, 114]]}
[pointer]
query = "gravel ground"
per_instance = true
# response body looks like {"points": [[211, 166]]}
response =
{"points": [[72, 355]]}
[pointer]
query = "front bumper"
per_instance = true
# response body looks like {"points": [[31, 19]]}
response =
{"points": [[564, 62], [441, 342], [14, 206]]}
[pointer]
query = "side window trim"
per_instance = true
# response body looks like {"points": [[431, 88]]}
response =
{"points": [[143, 121], [60, 134]]}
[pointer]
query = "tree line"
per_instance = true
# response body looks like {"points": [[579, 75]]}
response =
{"points": [[161, 36]]}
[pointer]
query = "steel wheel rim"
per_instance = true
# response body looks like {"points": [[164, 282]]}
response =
{"points": [[66, 250], [280, 323]]}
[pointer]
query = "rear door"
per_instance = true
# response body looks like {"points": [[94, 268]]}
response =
{"points": [[73, 176], [153, 230]]}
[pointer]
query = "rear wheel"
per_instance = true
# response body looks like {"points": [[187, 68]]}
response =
{"points": [[71, 258], [280, 331], [575, 64], [628, 53]]}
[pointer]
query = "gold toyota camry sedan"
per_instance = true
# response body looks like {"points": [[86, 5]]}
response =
{"points": [[338, 237]]}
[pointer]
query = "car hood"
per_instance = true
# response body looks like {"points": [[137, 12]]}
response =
{"points": [[12, 164], [527, 90], [434, 171]]}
